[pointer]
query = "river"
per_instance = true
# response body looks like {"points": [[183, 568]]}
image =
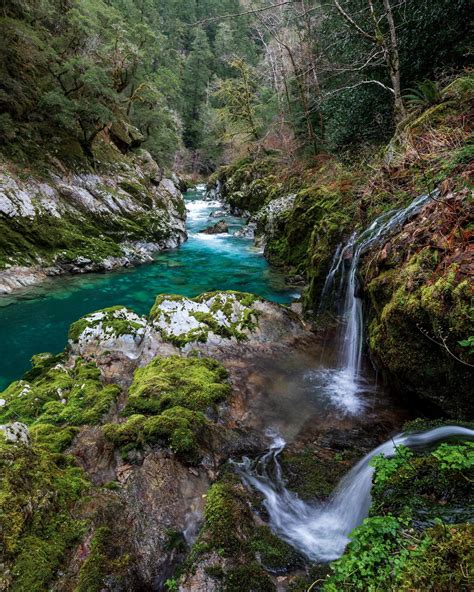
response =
{"points": [[38, 319]]}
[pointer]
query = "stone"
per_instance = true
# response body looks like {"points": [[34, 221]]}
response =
{"points": [[150, 166], [219, 227], [247, 231], [16, 432]]}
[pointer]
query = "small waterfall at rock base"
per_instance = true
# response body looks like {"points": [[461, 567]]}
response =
{"points": [[345, 384], [320, 531]]}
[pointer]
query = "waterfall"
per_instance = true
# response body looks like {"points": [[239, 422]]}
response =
{"points": [[320, 531], [341, 280]]}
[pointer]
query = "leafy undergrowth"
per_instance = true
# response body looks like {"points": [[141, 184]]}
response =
{"points": [[167, 403], [419, 534]]}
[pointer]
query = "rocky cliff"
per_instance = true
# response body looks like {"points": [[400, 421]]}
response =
{"points": [[108, 449], [86, 219]]}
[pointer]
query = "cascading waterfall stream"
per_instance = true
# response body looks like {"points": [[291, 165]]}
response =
{"points": [[320, 531], [346, 382]]}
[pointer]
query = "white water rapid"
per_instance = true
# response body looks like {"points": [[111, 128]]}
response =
{"points": [[320, 531]]}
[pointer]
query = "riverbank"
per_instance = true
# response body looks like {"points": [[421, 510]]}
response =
{"points": [[81, 221], [38, 318], [414, 282]]}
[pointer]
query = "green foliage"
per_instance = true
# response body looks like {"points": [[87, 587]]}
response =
{"points": [[385, 556], [455, 457], [413, 539], [375, 557], [443, 562], [386, 467], [172, 585], [239, 95], [425, 94], [468, 344]]}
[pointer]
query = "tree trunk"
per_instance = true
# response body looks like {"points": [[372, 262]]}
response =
{"points": [[393, 60]]}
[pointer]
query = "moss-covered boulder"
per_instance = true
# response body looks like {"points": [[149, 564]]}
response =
{"points": [[216, 319], [113, 329], [248, 184], [233, 552], [212, 316], [196, 383], [53, 399], [167, 403], [420, 306]]}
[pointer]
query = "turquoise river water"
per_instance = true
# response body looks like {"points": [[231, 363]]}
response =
{"points": [[37, 320]]}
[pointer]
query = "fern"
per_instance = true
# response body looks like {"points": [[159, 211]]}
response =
{"points": [[425, 94]]}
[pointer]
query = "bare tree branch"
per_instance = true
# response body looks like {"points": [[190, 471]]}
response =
{"points": [[359, 84], [350, 20]]}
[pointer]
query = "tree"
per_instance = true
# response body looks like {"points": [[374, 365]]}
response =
{"points": [[383, 41], [196, 77], [240, 103]]}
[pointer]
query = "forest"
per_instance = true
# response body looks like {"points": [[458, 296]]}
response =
{"points": [[236, 295]]}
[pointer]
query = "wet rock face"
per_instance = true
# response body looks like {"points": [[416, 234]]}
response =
{"points": [[418, 289], [163, 496], [124, 217]]}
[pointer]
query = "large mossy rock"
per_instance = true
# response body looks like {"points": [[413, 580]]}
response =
{"points": [[419, 293]]}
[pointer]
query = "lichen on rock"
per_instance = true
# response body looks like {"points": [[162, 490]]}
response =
{"points": [[210, 318]]}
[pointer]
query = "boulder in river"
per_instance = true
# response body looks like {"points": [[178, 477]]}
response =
{"points": [[219, 227], [247, 231]]}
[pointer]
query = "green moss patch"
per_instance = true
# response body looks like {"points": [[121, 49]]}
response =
{"points": [[104, 558], [38, 491], [194, 383], [58, 396], [166, 404]]}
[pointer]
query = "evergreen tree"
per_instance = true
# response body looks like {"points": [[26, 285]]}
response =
{"points": [[196, 77]]}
